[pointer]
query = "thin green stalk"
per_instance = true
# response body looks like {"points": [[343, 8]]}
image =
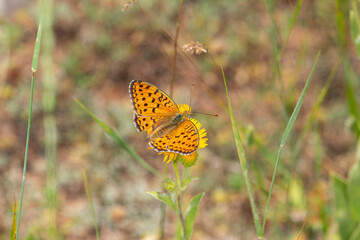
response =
{"points": [[242, 159], [291, 25], [173, 65], [26, 155], [33, 69], [208, 90], [283, 140], [270, 7], [276, 57], [13, 226], [350, 76], [357, 13], [279, 45], [88, 193], [162, 221], [49, 104], [178, 196], [163, 209], [315, 110], [120, 141]]}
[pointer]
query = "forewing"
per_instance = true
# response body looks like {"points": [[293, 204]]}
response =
{"points": [[185, 140], [149, 101]]}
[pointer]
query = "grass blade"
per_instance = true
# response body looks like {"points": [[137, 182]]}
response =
{"points": [[88, 193], [350, 86], [285, 136], [33, 68], [315, 109], [13, 227], [342, 214], [121, 142], [49, 106], [242, 158], [351, 79], [354, 191], [355, 25], [291, 25]]}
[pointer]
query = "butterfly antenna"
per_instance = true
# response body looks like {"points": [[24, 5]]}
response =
{"points": [[191, 93], [209, 114]]}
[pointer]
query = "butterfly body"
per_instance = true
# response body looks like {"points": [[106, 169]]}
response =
{"points": [[169, 128]]}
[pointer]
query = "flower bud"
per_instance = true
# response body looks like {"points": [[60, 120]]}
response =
{"points": [[169, 184], [189, 160]]}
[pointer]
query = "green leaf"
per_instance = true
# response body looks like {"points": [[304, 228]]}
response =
{"points": [[13, 227], [351, 80], [342, 214], [178, 232], [356, 233], [354, 191], [190, 214], [320, 98], [287, 131], [292, 21], [187, 180], [165, 198], [120, 141], [298, 104], [355, 32], [88, 193], [355, 26]]}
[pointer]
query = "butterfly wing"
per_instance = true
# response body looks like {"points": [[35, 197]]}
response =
{"points": [[183, 140], [160, 144], [147, 124], [149, 101]]}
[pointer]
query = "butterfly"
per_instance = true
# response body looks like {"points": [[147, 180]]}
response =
{"points": [[169, 129]]}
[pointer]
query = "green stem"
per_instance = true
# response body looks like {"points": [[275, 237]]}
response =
{"points": [[242, 159], [162, 221], [178, 181], [26, 156], [88, 193], [50, 133], [178, 196], [34, 65], [163, 209], [356, 13]]}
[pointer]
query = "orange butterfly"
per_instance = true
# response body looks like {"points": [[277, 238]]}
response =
{"points": [[168, 127]]}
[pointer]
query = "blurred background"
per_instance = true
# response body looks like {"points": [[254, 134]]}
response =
{"points": [[91, 50]]}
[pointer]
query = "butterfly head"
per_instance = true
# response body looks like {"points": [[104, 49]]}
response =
{"points": [[185, 109], [187, 114]]}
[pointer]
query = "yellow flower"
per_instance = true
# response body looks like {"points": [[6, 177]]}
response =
{"points": [[188, 160]]}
